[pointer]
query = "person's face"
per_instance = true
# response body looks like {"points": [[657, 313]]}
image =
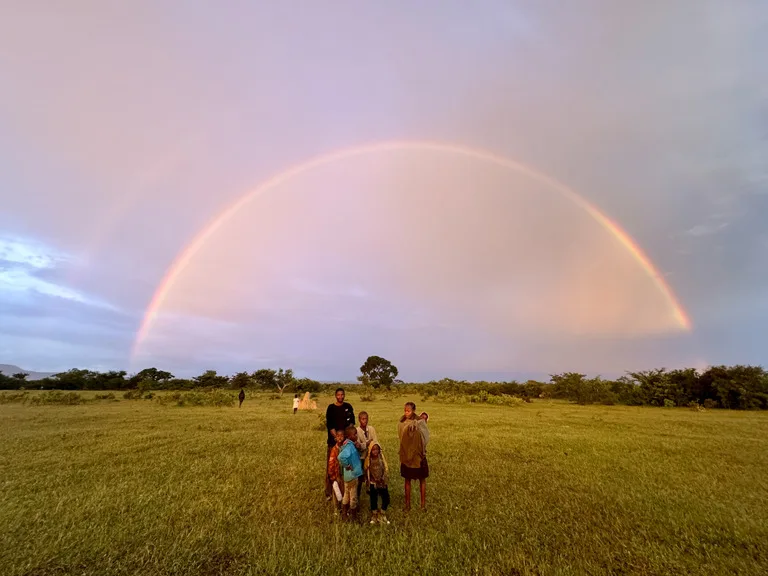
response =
{"points": [[340, 396], [375, 451], [408, 411], [353, 435], [424, 416], [339, 437], [363, 420]]}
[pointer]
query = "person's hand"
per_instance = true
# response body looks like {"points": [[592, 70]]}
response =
{"points": [[349, 468]]}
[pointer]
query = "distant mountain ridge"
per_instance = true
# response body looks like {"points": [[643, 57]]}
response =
{"points": [[11, 369]]}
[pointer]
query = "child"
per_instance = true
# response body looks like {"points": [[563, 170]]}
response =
{"points": [[377, 477], [335, 476], [414, 436], [353, 469], [366, 435], [295, 403]]}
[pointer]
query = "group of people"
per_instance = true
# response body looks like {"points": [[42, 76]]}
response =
{"points": [[356, 458]]}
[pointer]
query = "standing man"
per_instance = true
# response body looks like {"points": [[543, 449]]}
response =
{"points": [[338, 416], [295, 403], [241, 396]]}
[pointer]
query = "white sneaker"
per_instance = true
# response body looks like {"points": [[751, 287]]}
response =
{"points": [[374, 518], [383, 518]]}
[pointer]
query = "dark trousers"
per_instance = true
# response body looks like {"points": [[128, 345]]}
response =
{"points": [[375, 493]]}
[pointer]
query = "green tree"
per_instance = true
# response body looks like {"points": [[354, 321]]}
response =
{"points": [[241, 380], [567, 384], [74, 379], [283, 379], [377, 372], [264, 378], [210, 379], [21, 376], [153, 374]]}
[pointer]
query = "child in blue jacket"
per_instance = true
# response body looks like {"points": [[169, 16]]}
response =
{"points": [[349, 458]]}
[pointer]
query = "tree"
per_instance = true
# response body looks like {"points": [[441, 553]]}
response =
{"points": [[153, 374], [378, 372], [283, 379], [210, 379], [264, 378], [21, 376], [567, 385], [240, 380], [74, 379]]}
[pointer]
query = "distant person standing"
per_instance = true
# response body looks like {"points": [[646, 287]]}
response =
{"points": [[295, 403], [338, 416], [241, 396]]}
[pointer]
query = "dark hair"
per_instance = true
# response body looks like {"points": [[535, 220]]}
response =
{"points": [[361, 413], [412, 405], [348, 430], [339, 390]]}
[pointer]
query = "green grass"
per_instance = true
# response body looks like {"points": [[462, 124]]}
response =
{"points": [[132, 487]]}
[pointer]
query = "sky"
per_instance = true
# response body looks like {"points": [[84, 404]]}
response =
{"points": [[126, 129]]}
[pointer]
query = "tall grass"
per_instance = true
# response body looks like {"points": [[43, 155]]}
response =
{"points": [[137, 487]]}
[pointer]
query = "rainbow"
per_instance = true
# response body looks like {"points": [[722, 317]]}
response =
{"points": [[188, 254]]}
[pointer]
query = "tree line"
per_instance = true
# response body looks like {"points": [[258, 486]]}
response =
{"points": [[734, 387]]}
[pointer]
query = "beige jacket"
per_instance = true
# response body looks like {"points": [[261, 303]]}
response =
{"points": [[364, 439]]}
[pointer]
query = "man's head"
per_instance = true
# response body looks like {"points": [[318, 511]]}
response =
{"points": [[363, 417], [295, 395], [339, 437], [410, 409], [339, 395], [351, 433], [424, 416]]}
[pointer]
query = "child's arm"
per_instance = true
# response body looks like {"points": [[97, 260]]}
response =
{"points": [[344, 455]]}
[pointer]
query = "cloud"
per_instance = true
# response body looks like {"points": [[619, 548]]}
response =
{"points": [[21, 262]]}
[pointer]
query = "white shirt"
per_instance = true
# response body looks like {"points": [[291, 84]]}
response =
{"points": [[295, 402]]}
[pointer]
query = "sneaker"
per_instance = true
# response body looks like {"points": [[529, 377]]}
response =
{"points": [[374, 517], [383, 518]]}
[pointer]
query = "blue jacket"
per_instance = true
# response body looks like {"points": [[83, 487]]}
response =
{"points": [[348, 456]]}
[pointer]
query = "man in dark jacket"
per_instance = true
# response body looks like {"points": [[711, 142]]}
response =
{"points": [[338, 416]]}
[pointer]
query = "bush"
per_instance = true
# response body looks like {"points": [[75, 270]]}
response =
{"points": [[709, 403], [669, 403], [109, 396], [209, 397], [367, 394], [57, 397], [696, 407], [13, 397], [133, 395]]}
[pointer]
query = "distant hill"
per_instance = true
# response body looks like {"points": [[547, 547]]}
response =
{"points": [[10, 370]]}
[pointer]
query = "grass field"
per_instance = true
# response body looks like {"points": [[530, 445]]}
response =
{"points": [[131, 487]]}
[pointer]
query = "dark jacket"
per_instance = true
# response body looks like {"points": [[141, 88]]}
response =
{"points": [[338, 418]]}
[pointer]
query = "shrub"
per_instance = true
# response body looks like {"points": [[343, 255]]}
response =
{"points": [[669, 403], [109, 396], [208, 397], [709, 403], [132, 395], [57, 397], [13, 397], [696, 407], [367, 394]]}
